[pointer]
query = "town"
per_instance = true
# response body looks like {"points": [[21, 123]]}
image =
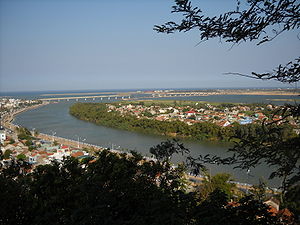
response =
{"points": [[194, 112], [31, 146]]}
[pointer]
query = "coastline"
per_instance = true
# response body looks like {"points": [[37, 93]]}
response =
{"points": [[7, 119], [7, 122]]}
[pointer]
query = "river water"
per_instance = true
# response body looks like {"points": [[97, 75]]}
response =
{"points": [[55, 118]]}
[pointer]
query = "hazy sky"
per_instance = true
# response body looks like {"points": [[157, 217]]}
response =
{"points": [[110, 44]]}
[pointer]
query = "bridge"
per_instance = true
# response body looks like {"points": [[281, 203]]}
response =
{"points": [[182, 94], [101, 97]]}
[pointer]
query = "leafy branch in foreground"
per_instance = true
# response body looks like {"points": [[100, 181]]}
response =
{"points": [[122, 189], [261, 20], [165, 150], [237, 25], [289, 73]]}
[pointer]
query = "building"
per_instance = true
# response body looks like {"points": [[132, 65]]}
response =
{"points": [[245, 121]]}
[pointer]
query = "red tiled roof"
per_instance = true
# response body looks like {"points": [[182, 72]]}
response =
{"points": [[233, 204], [92, 161], [77, 154], [190, 111], [285, 212], [272, 210]]}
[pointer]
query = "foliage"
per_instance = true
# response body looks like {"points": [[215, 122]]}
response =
{"points": [[21, 156], [98, 113], [115, 189], [271, 144], [259, 191], [55, 143], [36, 133], [261, 20], [292, 199], [24, 134], [220, 181], [165, 150], [247, 211], [7, 154], [28, 143]]}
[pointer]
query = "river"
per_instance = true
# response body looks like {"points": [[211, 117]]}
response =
{"points": [[55, 118]]}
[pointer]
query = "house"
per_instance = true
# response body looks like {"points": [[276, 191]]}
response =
{"points": [[8, 147], [246, 120], [59, 156], [64, 148], [260, 115], [286, 215], [161, 118], [77, 154], [32, 159], [190, 113], [198, 117], [162, 111], [224, 123], [273, 203]]}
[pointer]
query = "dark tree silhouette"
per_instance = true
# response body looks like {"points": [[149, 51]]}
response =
{"points": [[117, 189], [260, 21]]}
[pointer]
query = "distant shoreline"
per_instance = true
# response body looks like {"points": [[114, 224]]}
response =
{"points": [[261, 93], [242, 91]]}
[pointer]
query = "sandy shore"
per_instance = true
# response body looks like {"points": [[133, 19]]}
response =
{"points": [[260, 93]]}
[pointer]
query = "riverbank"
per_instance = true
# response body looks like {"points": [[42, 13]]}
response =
{"points": [[199, 122], [56, 118], [7, 120], [94, 148]]}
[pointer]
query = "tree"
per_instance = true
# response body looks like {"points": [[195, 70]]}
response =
{"points": [[117, 189], [219, 181], [21, 157], [7, 154], [261, 21], [113, 189], [292, 197], [36, 133]]}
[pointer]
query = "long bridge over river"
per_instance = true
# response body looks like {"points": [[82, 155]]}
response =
{"points": [[101, 97], [182, 94]]}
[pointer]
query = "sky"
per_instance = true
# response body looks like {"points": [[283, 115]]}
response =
{"points": [[111, 44]]}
